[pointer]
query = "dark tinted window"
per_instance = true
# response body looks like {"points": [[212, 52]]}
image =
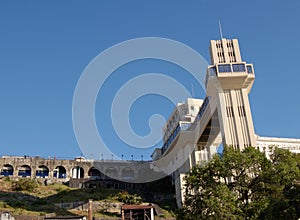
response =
{"points": [[240, 67], [224, 68], [212, 71], [249, 69]]}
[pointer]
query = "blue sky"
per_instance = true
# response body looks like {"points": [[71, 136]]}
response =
{"points": [[45, 46]]}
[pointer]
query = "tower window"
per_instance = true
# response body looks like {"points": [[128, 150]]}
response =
{"points": [[224, 68], [241, 110], [212, 71], [240, 67], [249, 69], [229, 111]]}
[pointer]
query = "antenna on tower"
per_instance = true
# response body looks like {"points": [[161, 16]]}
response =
{"points": [[220, 29]]}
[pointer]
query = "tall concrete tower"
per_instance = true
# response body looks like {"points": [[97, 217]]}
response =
{"points": [[229, 79]]}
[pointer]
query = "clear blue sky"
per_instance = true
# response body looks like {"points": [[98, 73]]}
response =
{"points": [[46, 45]]}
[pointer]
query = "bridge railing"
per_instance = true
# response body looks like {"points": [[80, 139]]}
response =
{"points": [[200, 113], [180, 127], [186, 126]]}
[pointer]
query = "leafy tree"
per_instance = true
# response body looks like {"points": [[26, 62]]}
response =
{"points": [[283, 182], [244, 185], [127, 198]]}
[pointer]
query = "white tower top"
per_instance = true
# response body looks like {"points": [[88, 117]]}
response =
{"points": [[227, 69], [225, 51]]}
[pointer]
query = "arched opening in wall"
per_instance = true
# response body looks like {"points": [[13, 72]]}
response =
{"points": [[7, 170], [24, 171], [60, 172], [77, 173], [111, 173], [127, 173], [42, 171], [94, 173]]}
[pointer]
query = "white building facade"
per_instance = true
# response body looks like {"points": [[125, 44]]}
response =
{"points": [[222, 118]]}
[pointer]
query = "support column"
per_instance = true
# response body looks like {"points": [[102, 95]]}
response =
{"points": [[78, 172], [74, 173]]}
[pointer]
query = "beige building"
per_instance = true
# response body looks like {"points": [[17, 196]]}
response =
{"points": [[267, 144], [198, 127]]}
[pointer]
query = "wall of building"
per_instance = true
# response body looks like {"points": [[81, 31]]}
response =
{"points": [[267, 144]]}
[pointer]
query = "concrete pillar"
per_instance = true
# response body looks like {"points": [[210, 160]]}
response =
{"points": [[86, 171], [33, 172], [74, 173], [16, 170], [78, 172], [50, 175]]}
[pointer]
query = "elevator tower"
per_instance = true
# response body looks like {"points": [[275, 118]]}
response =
{"points": [[230, 80]]}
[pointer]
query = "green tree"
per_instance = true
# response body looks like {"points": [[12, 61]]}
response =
{"points": [[244, 185], [127, 198], [283, 185]]}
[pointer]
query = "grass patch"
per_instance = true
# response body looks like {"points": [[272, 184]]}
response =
{"points": [[25, 184]]}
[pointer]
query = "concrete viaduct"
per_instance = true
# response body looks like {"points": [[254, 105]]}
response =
{"points": [[78, 168]]}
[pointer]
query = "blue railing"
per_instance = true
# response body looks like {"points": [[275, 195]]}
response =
{"points": [[180, 127], [25, 173], [59, 175], [6, 173], [42, 174], [200, 113], [202, 108]]}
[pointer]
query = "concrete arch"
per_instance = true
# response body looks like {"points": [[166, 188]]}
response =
{"points": [[42, 171], [7, 170], [127, 173], [24, 171], [94, 173], [111, 173], [77, 172], [60, 172]]}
